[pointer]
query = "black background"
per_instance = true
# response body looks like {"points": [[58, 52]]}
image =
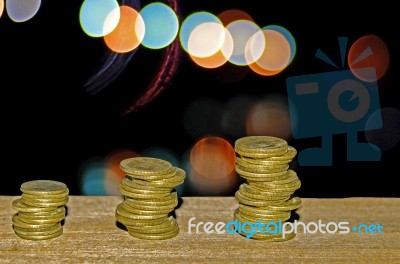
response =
{"points": [[50, 124]]}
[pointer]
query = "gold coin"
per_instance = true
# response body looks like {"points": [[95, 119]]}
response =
{"points": [[138, 222], [26, 197], [143, 185], [169, 200], [174, 181], [159, 183], [43, 187], [49, 228], [261, 168], [20, 206], [268, 236], [276, 238], [152, 177], [53, 220], [59, 212], [169, 225], [263, 197], [45, 203], [138, 211], [272, 225], [145, 166], [258, 210], [47, 196], [264, 161], [171, 182], [139, 190], [46, 237], [151, 225], [273, 160], [253, 202], [151, 207], [279, 188], [261, 176], [254, 217], [162, 236], [136, 195], [246, 188], [290, 181], [17, 222], [121, 211], [34, 232], [261, 146], [291, 204]]}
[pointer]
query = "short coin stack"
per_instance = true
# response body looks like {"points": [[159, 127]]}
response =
{"points": [[267, 196], [41, 209], [149, 198]]}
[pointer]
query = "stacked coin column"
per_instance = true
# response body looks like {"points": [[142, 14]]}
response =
{"points": [[267, 195], [41, 209], [149, 198]]}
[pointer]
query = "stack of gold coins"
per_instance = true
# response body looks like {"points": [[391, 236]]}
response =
{"points": [[149, 198], [41, 209], [267, 194]]}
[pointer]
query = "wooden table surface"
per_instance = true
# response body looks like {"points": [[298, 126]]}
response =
{"points": [[92, 236]]}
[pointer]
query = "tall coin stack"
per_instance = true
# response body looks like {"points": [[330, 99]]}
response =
{"points": [[149, 198], [267, 195], [41, 209]]}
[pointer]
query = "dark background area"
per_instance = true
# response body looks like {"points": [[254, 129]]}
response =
{"points": [[50, 124]]}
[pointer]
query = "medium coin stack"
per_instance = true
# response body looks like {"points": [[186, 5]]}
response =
{"points": [[267, 195], [41, 209], [149, 198]]}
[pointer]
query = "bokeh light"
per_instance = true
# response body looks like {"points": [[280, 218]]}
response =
{"points": [[21, 10], [369, 52], [276, 55], [212, 166], [248, 42], [191, 22], [218, 59], [1, 7], [269, 117], [102, 175], [129, 32], [95, 179], [289, 37], [161, 25], [235, 115], [388, 136], [202, 117], [231, 15], [206, 39], [99, 17]]}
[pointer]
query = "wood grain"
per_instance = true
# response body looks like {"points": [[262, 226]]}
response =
{"points": [[92, 236]]}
